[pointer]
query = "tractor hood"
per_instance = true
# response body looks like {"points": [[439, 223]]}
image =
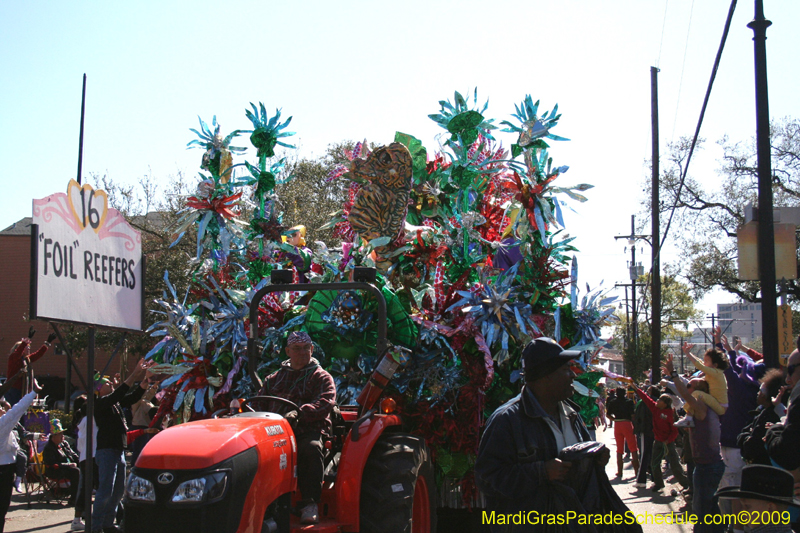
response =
{"points": [[204, 443]]}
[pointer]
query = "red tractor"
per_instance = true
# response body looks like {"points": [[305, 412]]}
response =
{"points": [[237, 472]]}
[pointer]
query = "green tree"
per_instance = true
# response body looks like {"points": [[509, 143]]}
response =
{"points": [[150, 206], [706, 217], [677, 307], [311, 197]]}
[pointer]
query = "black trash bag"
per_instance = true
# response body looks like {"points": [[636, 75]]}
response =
{"points": [[557, 499], [588, 479]]}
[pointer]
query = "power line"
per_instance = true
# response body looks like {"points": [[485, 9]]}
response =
{"points": [[663, 25], [697, 131], [683, 68], [699, 121]]}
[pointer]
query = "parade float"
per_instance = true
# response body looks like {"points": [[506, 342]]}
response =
{"points": [[472, 259]]}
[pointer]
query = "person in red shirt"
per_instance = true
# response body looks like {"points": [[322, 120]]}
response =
{"points": [[17, 360], [664, 434]]}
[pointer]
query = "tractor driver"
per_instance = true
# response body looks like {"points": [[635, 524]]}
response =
{"points": [[303, 381]]}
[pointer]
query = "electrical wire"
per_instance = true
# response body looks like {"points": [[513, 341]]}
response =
{"points": [[663, 26], [694, 139], [699, 123], [683, 68]]}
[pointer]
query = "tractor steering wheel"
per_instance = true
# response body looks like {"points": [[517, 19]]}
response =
{"points": [[293, 406]]}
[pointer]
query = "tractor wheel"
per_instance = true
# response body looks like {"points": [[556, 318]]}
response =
{"points": [[398, 493]]}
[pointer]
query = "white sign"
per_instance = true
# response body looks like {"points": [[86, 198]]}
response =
{"points": [[88, 261]]}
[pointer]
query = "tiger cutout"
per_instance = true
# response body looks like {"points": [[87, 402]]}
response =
{"points": [[381, 204]]}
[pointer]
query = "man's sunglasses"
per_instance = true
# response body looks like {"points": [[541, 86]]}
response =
{"points": [[791, 368]]}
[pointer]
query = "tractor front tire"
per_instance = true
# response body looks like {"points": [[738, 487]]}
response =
{"points": [[398, 492]]}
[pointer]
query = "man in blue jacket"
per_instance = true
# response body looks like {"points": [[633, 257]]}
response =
{"points": [[518, 453]]}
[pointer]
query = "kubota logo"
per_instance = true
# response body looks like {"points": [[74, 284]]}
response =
{"points": [[165, 478]]}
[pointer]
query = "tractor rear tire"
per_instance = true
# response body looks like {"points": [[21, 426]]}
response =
{"points": [[398, 492]]}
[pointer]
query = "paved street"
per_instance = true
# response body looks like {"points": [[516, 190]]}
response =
{"points": [[40, 517], [642, 501]]}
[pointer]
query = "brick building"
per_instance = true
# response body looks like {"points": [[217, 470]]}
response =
{"points": [[15, 249]]}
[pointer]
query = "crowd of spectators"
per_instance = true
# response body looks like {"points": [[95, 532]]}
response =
{"points": [[739, 417], [118, 406], [737, 447]]}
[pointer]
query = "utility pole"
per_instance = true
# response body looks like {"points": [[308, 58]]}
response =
{"points": [[766, 238], [627, 314], [87, 492], [655, 277], [627, 306], [635, 270], [627, 319], [713, 318]]}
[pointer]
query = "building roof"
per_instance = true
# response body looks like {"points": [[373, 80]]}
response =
{"points": [[610, 355], [20, 227], [23, 225]]}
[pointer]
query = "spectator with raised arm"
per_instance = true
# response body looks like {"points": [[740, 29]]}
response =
{"points": [[713, 366], [704, 437], [23, 436], [112, 439], [9, 447], [17, 360], [751, 353], [664, 435], [643, 428], [742, 377]]}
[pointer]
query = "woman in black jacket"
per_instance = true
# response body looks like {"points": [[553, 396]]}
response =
{"points": [[751, 439]]}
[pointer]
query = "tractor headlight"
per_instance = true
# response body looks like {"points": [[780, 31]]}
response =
{"points": [[190, 491], [208, 488], [140, 489]]}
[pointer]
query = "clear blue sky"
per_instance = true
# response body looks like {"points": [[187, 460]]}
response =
{"points": [[350, 70]]}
